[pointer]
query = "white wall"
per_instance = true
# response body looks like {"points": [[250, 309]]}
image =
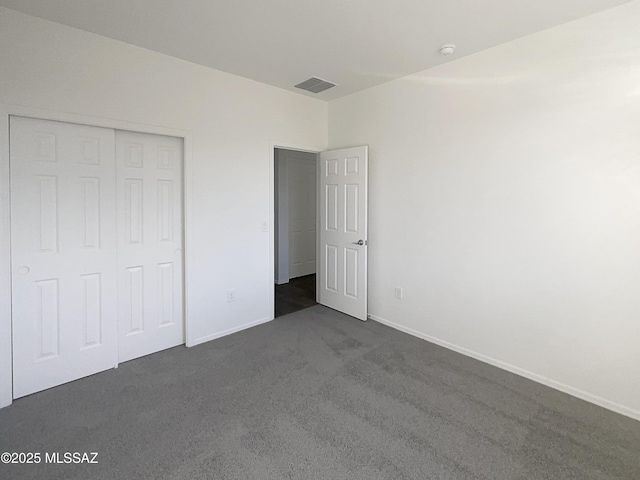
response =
{"points": [[233, 122], [504, 195], [505, 201]]}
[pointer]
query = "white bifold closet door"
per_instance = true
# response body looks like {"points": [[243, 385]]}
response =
{"points": [[96, 249], [149, 243], [63, 252]]}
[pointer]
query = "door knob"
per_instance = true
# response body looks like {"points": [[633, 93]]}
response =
{"points": [[23, 270], [360, 242]]}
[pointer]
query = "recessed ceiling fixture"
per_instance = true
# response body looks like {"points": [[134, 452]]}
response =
{"points": [[315, 85], [447, 49]]}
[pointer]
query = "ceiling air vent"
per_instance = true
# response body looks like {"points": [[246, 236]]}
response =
{"points": [[315, 85]]}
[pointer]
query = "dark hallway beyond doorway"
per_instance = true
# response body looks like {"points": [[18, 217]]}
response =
{"points": [[299, 293]]}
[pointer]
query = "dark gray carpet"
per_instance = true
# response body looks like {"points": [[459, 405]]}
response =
{"points": [[317, 395]]}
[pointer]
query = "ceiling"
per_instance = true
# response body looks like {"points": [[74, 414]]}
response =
{"points": [[354, 43]]}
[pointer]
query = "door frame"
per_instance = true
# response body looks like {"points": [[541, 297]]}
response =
{"points": [[273, 144], [6, 351]]}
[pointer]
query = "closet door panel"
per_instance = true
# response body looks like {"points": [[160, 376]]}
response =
{"points": [[149, 172], [63, 252]]}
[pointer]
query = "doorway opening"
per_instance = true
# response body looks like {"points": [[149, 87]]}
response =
{"points": [[295, 181]]}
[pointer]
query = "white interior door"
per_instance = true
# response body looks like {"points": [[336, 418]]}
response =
{"points": [[63, 251], [302, 217], [149, 243], [342, 270]]}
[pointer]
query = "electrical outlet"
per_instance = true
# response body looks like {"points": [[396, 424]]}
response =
{"points": [[398, 292], [231, 296]]}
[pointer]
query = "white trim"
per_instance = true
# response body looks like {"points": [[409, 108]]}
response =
{"points": [[229, 331], [6, 354], [273, 144], [602, 402], [188, 235]]}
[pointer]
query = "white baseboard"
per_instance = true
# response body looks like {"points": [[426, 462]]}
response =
{"points": [[229, 331], [602, 402]]}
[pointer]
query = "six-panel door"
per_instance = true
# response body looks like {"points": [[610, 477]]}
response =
{"points": [[342, 276], [302, 217], [149, 243], [63, 238], [96, 234]]}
